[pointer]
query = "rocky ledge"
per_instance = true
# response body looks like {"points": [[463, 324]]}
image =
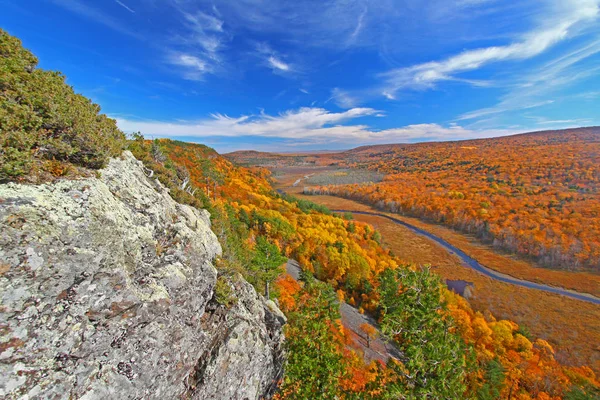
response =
{"points": [[107, 292]]}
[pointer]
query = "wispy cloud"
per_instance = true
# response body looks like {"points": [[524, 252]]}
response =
{"points": [[359, 27], [502, 107], [96, 15], [565, 17], [204, 31], [204, 22], [124, 6], [194, 67], [301, 123], [278, 64], [343, 98], [272, 59], [537, 88], [544, 121], [563, 121], [199, 48], [313, 23]]}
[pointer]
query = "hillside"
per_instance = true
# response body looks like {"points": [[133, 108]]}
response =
{"points": [[336, 259], [117, 283]]}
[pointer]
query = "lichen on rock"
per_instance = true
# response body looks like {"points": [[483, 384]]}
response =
{"points": [[104, 286]]}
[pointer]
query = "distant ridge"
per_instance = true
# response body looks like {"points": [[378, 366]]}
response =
{"points": [[268, 159], [243, 153]]}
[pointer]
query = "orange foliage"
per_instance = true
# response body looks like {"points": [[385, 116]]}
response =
{"points": [[358, 375], [369, 331], [530, 368], [529, 194], [348, 256], [287, 288]]}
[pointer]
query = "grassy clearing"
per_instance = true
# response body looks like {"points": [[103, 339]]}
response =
{"points": [[344, 177]]}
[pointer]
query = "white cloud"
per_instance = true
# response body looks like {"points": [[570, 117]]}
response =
{"points": [[273, 60], [314, 125], [205, 31], [359, 27], [563, 121], [194, 67], [502, 107], [199, 50], [203, 22], [278, 64], [388, 95], [298, 124], [190, 61], [566, 16], [312, 23]]}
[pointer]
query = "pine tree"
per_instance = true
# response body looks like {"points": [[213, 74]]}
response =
{"points": [[266, 262]]}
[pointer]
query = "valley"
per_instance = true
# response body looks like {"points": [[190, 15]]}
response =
{"points": [[545, 314]]}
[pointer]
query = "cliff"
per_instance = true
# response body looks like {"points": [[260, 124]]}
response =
{"points": [[108, 291]]}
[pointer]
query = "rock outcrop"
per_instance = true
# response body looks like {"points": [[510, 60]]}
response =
{"points": [[107, 289]]}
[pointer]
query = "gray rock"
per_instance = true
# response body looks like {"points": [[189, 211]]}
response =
{"points": [[245, 360], [107, 292]]}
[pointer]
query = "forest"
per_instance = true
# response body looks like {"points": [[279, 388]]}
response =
{"points": [[450, 351], [528, 194]]}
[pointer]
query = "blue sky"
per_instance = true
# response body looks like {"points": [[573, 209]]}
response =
{"points": [[312, 75]]}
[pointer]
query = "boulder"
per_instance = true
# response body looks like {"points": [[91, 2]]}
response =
{"points": [[107, 292]]}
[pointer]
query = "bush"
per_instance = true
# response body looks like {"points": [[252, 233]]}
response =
{"points": [[42, 120], [224, 294]]}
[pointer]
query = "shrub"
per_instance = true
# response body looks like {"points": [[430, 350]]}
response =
{"points": [[42, 120], [224, 293]]}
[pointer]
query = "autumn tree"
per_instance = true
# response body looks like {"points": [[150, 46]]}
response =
{"points": [[346, 254], [369, 331], [315, 361]]}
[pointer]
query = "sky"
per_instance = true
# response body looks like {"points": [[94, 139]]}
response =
{"points": [[322, 75]]}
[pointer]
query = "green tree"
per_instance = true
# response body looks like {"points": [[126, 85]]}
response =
{"points": [[434, 365], [266, 262], [233, 235], [351, 227], [315, 358], [493, 381]]}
